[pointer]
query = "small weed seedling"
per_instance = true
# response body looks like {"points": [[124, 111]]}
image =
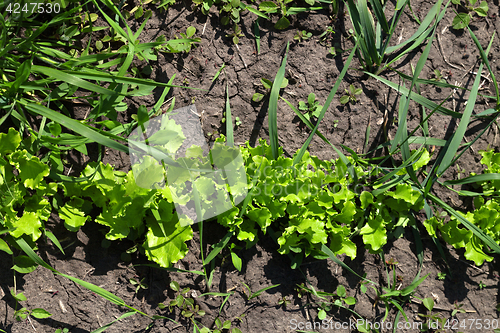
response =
{"points": [[335, 50], [271, 7], [223, 326], [441, 276], [236, 34], [350, 96], [178, 45], [185, 304], [436, 322], [462, 20], [438, 76], [338, 299], [267, 84], [139, 284], [237, 121], [312, 107], [327, 35], [62, 330], [457, 309], [284, 302], [391, 263], [301, 35], [481, 285], [24, 313]]}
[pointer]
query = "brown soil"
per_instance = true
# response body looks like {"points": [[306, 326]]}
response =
{"points": [[309, 69]]}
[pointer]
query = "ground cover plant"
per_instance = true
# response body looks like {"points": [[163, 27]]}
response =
{"points": [[79, 81]]}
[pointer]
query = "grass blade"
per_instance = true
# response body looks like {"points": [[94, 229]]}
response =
{"points": [[333, 257], [71, 79], [474, 179], [484, 57], [459, 134], [273, 106], [218, 248], [105, 327], [54, 240], [417, 98], [379, 13], [368, 35], [256, 32]]}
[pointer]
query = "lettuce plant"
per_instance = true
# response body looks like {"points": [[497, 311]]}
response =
{"points": [[486, 217], [24, 189]]}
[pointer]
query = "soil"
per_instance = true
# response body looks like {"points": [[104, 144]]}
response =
{"points": [[310, 68]]}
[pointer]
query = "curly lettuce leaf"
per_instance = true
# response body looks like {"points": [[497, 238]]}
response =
{"points": [[166, 244]]}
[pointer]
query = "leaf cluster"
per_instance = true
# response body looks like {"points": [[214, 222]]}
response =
{"points": [[267, 85], [350, 95], [312, 107], [486, 217], [462, 20]]}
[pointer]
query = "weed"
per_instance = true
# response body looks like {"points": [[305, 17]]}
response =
{"points": [[461, 20], [271, 7], [458, 308], [237, 121], [326, 35], [391, 263], [236, 34], [301, 35], [185, 304], [312, 107], [335, 50], [338, 299], [438, 76], [350, 96], [481, 285], [24, 313], [436, 322], [139, 284], [230, 9], [224, 326], [284, 302], [182, 44], [441, 275], [374, 36], [282, 7], [62, 330], [268, 84]]}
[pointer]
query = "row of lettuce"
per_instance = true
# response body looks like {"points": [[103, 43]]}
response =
{"points": [[304, 206]]}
